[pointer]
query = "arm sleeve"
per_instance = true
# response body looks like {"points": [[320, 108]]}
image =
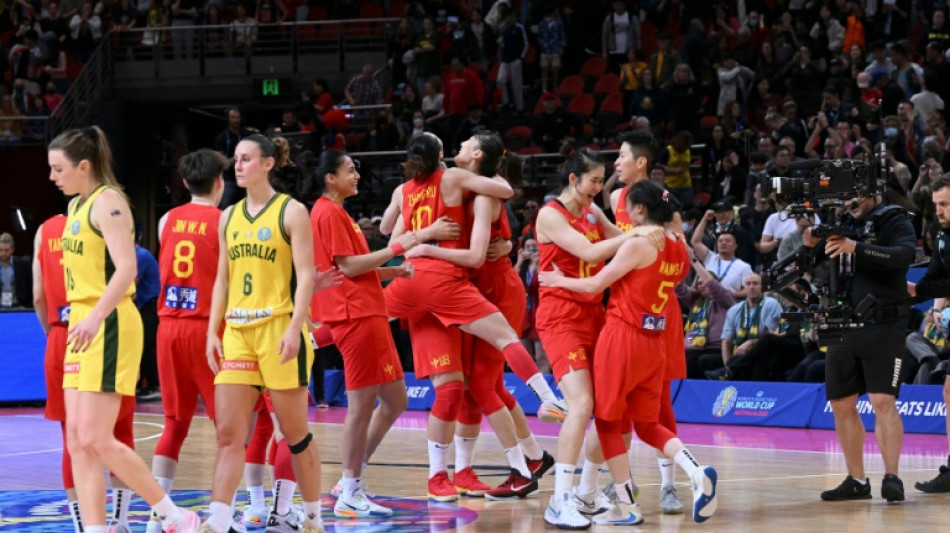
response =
{"points": [[897, 254]]}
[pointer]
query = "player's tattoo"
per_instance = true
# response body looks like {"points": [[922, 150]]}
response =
{"points": [[116, 213]]}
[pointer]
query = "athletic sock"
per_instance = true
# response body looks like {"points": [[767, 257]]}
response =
{"points": [[97, 529], [516, 460], [219, 518], [464, 452], [563, 480], [590, 474], [540, 387], [531, 448], [349, 485], [625, 491], [283, 495], [686, 461], [234, 503], [667, 472], [165, 483], [167, 511], [257, 497], [76, 516], [121, 498], [438, 453], [861, 482], [312, 511]]}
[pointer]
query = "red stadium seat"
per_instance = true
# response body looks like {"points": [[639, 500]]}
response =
{"points": [[570, 86], [582, 105], [608, 83], [517, 138], [594, 67], [371, 10], [530, 150]]}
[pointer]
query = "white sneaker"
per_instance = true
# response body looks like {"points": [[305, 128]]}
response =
{"points": [[621, 514], [670, 500], [254, 517], [288, 523], [237, 523], [564, 514], [553, 412], [592, 503], [338, 488], [357, 505], [154, 525], [704, 493], [120, 527]]}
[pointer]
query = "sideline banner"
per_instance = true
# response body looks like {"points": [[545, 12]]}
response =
{"points": [[921, 408], [746, 403]]}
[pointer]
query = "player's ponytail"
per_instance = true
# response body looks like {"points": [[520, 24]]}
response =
{"points": [[659, 203], [422, 156], [89, 144]]}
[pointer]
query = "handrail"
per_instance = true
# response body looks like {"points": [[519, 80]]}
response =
{"points": [[341, 22], [84, 91]]}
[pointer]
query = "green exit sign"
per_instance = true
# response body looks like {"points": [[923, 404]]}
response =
{"points": [[273, 87]]}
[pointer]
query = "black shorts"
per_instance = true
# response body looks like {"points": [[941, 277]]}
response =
{"points": [[869, 360]]}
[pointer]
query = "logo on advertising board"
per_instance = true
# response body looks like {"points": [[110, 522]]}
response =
{"points": [[729, 400], [724, 402]]}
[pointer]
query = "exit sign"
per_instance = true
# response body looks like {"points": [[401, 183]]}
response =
{"points": [[272, 87]]}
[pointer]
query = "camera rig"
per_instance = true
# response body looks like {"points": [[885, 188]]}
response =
{"points": [[820, 188]]}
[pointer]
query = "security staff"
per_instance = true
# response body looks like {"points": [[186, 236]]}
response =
{"points": [[868, 358], [936, 284]]}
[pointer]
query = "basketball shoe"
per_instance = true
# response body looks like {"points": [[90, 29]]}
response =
{"points": [[288, 523], [335, 491], [892, 488], [516, 486], [553, 412], [849, 489], [254, 517], [590, 504], [564, 514], [620, 514], [670, 500], [118, 527], [467, 483], [154, 525], [540, 466], [704, 493], [941, 483], [188, 523], [441, 488], [357, 505]]}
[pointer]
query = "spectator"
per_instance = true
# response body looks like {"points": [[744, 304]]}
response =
{"points": [[688, 95], [828, 30], [404, 108], [723, 261], [21, 97], [52, 97], [11, 129], [630, 78], [937, 32], [881, 61], [243, 30], [554, 128], [793, 241], [906, 73], [724, 214], [36, 129], [761, 101], [364, 90], [184, 14], [514, 46], [733, 81], [484, 37], [269, 14], [926, 100], [462, 87], [939, 67], [730, 180], [225, 143], [663, 61], [527, 268], [371, 233], [854, 30], [552, 40], [454, 40], [619, 32], [648, 100], [25, 59], [321, 98], [418, 124], [16, 275], [708, 303], [891, 20], [426, 53], [85, 30], [384, 136], [217, 40], [432, 105], [289, 122], [757, 172], [805, 79], [147, 288], [675, 163], [158, 16], [401, 44], [124, 19], [475, 122]]}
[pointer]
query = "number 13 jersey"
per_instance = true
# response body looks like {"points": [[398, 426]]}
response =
{"points": [[260, 264], [188, 261]]}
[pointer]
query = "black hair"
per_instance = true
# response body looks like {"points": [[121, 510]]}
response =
{"points": [[317, 167], [659, 203], [265, 145], [497, 160], [422, 156], [200, 169], [759, 158], [579, 162], [642, 144]]}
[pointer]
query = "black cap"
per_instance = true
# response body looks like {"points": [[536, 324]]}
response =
{"points": [[722, 205]]}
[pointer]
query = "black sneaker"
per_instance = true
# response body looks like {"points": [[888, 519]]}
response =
{"points": [[720, 374], [540, 466], [941, 483], [892, 488], [849, 489]]}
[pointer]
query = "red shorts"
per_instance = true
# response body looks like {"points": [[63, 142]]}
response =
{"points": [[435, 347], [53, 366], [451, 299], [568, 331], [675, 345], [183, 367], [628, 373], [369, 354]]}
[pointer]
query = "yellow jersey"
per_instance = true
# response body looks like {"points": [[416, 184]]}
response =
{"points": [[260, 264], [86, 261], [679, 180]]}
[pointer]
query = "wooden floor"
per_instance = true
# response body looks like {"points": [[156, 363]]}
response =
{"points": [[769, 478]]}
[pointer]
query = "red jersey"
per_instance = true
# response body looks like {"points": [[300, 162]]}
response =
{"points": [[50, 256], [572, 266], [188, 261], [421, 206], [642, 297], [621, 215], [336, 234], [499, 228]]}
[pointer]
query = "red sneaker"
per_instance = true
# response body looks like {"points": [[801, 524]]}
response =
{"points": [[468, 484], [516, 486], [441, 489], [540, 466]]}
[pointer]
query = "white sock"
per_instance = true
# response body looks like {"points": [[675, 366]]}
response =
{"points": [[219, 517], [464, 452], [167, 511], [516, 460], [563, 480], [540, 386], [234, 503], [667, 472], [590, 475], [532, 450], [257, 497], [861, 482], [121, 498], [625, 491], [438, 453], [312, 511], [283, 495], [76, 516], [97, 529], [349, 485], [686, 461]]}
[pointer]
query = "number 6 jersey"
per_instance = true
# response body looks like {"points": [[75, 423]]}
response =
{"points": [[188, 261]]}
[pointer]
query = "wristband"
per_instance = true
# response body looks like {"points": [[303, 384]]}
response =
{"points": [[397, 248]]}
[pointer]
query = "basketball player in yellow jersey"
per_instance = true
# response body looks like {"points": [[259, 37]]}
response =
{"points": [[266, 247], [105, 339]]}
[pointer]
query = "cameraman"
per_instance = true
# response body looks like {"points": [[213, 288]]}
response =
{"points": [[936, 284], [868, 359]]}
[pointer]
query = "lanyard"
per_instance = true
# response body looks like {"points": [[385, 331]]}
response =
{"points": [[722, 275]]}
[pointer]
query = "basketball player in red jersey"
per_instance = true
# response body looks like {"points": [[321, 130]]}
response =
{"points": [[355, 311], [500, 284], [628, 372], [188, 236], [52, 310], [574, 235]]}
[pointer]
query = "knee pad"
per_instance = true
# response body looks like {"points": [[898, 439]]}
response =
{"points": [[653, 434], [611, 440], [448, 400], [301, 446], [470, 413], [485, 396]]}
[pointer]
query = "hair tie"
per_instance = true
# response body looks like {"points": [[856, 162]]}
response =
{"points": [[666, 195]]}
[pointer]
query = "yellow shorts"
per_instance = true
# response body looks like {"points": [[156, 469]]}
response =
{"points": [[111, 362], [550, 62], [251, 358]]}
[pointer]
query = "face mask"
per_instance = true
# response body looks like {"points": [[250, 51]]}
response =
{"points": [[753, 23], [418, 122], [687, 227], [890, 132]]}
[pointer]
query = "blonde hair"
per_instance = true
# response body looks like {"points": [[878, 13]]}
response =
{"points": [[90, 144], [282, 155]]}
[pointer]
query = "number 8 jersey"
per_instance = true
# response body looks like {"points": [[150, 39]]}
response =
{"points": [[260, 264], [188, 261]]}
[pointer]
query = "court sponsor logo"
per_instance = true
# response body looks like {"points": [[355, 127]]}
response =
{"points": [[44, 511], [724, 402], [904, 408], [759, 405], [177, 297], [240, 366], [416, 392]]}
